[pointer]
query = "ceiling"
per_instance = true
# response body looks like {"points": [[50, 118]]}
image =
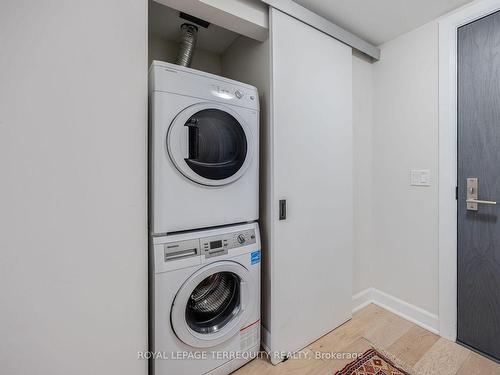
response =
{"points": [[378, 21], [165, 22]]}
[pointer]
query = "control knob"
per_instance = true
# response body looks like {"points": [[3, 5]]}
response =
{"points": [[238, 94], [241, 239]]}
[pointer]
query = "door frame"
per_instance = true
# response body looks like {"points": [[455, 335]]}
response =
{"points": [[448, 28]]}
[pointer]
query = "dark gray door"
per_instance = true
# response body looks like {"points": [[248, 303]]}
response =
{"points": [[479, 157]]}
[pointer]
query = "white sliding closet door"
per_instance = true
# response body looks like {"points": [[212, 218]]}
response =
{"points": [[311, 250]]}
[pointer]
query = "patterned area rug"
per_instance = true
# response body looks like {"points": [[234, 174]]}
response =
{"points": [[371, 363]]}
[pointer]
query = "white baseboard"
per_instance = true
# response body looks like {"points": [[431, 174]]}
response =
{"points": [[399, 307], [362, 299]]}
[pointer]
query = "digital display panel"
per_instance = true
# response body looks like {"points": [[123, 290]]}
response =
{"points": [[215, 244]]}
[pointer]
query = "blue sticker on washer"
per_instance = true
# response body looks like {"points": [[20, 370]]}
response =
{"points": [[255, 257]]}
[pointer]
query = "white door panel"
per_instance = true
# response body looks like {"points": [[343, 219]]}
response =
{"points": [[312, 143]]}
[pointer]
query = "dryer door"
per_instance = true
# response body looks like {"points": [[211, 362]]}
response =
{"points": [[212, 305], [210, 144]]}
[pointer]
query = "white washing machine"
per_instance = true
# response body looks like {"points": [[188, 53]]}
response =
{"points": [[204, 144], [205, 300]]}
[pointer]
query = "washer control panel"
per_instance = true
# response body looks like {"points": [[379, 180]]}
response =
{"points": [[220, 245], [181, 250]]}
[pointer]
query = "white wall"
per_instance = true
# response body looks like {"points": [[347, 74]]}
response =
{"points": [[73, 162], [362, 103], [405, 137], [165, 50]]}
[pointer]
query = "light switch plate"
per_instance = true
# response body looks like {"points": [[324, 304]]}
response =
{"points": [[420, 177]]}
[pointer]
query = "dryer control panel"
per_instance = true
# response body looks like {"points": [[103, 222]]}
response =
{"points": [[220, 245], [176, 79]]}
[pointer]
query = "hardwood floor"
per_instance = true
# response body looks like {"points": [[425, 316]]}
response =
{"points": [[421, 350]]}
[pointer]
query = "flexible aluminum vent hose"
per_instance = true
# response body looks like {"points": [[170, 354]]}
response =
{"points": [[188, 42]]}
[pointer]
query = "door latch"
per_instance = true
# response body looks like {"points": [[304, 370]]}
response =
{"points": [[472, 195]]}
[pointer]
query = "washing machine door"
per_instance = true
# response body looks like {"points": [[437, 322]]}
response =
{"points": [[212, 305], [210, 144]]}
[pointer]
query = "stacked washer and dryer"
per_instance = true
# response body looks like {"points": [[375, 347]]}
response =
{"points": [[204, 206]]}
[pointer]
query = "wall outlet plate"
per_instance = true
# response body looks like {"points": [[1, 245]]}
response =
{"points": [[420, 177]]}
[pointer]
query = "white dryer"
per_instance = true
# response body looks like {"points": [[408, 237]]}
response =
{"points": [[204, 143], [205, 301]]}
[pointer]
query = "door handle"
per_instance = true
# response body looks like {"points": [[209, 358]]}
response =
{"points": [[282, 213], [472, 194], [193, 135], [477, 201], [244, 295]]}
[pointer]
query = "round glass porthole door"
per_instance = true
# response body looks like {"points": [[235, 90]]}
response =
{"points": [[211, 306], [210, 144], [214, 303]]}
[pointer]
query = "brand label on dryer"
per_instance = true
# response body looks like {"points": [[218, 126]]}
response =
{"points": [[255, 257]]}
